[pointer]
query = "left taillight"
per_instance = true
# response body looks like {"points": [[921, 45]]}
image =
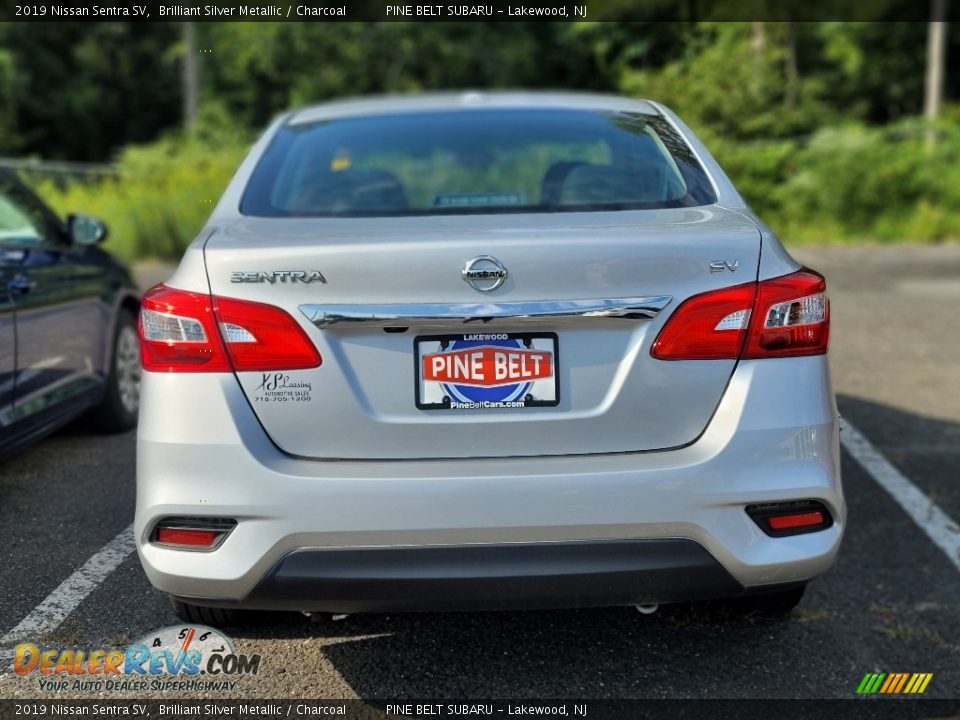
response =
{"points": [[184, 331]]}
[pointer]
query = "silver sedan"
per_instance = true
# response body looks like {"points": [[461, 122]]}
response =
{"points": [[484, 351]]}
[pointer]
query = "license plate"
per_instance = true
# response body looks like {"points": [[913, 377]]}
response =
{"points": [[486, 371]]}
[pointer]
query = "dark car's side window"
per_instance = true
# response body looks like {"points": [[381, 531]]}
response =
{"points": [[23, 220]]}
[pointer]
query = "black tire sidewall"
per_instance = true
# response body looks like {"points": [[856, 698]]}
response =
{"points": [[112, 415]]}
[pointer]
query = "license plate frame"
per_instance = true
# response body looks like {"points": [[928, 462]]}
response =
{"points": [[540, 393]]}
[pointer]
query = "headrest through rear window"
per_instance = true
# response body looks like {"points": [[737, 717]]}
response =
{"points": [[353, 190], [605, 184]]}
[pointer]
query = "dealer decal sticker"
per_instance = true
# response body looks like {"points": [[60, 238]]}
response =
{"points": [[280, 387]]}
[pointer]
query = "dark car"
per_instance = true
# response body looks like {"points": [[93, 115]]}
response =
{"points": [[68, 323]]}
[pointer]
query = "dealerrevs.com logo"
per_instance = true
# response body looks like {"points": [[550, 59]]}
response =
{"points": [[195, 658]]}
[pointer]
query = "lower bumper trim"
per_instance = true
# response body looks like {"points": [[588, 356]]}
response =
{"points": [[492, 577]]}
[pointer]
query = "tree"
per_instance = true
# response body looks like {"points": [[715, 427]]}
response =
{"points": [[82, 90], [936, 65], [190, 72]]}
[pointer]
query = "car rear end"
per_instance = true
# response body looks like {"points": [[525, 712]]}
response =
{"points": [[484, 352]]}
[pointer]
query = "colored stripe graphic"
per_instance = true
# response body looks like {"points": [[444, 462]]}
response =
{"points": [[894, 683], [870, 683], [891, 681], [902, 680]]}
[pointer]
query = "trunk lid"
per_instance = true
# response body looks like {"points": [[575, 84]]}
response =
{"points": [[371, 397]]}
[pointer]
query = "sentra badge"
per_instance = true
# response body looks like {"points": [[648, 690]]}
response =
{"points": [[277, 276]]}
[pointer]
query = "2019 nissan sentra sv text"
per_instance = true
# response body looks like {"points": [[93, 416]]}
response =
{"points": [[484, 351]]}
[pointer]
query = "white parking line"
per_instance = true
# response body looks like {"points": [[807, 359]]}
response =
{"points": [[938, 526], [69, 594]]}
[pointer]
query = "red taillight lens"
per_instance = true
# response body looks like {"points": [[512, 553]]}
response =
{"points": [[783, 317], [178, 332], [797, 520], [263, 337], [188, 537], [183, 331], [197, 533], [791, 317], [790, 518], [710, 326]]}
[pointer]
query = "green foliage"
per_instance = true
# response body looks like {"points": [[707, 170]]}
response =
{"points": [[811, 120], [737, 80], [163, 194], [853, 183], [79, 90], [261, 69], [7, 99], [872, 71]]}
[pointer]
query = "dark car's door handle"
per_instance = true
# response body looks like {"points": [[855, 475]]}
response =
{"points": [[21, 284]]}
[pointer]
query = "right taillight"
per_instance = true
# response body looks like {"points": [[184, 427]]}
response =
{"points": [[791, 317], [783, 317], [183, 331]]}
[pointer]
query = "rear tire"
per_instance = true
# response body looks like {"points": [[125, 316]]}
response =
{"points": [[201, 615], [121, 401]]}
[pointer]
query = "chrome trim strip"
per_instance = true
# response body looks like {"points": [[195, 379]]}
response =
{"points": [[638, 308]]}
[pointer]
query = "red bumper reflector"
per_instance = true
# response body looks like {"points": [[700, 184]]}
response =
{"points": [[185, 536], [797, 520]]}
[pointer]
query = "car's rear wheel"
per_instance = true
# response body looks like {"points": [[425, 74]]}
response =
{"points": [[202, 615], [121, 401]]}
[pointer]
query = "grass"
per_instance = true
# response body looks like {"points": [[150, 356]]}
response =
{"points": [[160, 200]]}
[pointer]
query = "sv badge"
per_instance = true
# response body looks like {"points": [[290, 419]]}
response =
{"points": [[721, 265]]}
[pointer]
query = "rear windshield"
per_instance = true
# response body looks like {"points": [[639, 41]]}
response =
{"points": [[476, 161]]}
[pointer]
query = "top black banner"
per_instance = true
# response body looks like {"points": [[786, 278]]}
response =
{"points": [[618, 11]]}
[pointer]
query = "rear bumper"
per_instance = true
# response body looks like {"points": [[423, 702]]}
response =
{"points": [[490, 577], [773, 438]]}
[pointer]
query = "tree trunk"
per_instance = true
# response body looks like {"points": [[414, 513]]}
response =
{"points": [[758, 43], [936, 59], [790, 68], [758, 37], [190, 76]]}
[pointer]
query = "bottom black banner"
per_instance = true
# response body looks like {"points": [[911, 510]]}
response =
{"points": [[513, 709]]}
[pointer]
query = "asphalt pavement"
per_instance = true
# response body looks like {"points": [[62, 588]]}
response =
{"points": [[889, 605]]}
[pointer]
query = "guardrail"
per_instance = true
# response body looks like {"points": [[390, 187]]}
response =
{"points": [[60, 167]]}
